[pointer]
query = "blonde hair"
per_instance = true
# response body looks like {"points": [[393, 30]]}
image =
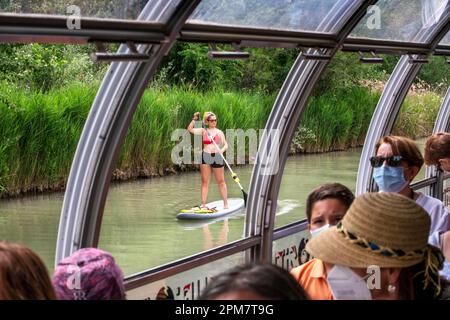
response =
{"points": [[208, 114]]}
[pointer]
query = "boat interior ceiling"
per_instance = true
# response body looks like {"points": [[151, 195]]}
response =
{"points": [[286, 25], [318, 28]]}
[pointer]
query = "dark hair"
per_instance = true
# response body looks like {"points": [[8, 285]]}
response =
{"points": [[437, 147], [326, 191], [405, 147], [266, 280]]}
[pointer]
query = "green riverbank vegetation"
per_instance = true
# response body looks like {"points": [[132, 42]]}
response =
{"points": [[46, 93]]}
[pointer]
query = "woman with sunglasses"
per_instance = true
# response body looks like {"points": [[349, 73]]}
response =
{"points": [[397, 162], [211, 160]]}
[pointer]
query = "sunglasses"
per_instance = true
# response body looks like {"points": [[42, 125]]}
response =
{"points": [[212, 120], [392, 161]]}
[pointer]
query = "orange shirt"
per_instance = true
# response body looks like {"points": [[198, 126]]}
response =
{"points": [[312, 277]]}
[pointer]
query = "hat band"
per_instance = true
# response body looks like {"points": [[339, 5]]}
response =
{"points": [[385, 251], [433, 259]]}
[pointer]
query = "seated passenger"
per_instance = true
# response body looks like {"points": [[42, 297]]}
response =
{"points": [[89, 274], [437, 151], [397, 161], [380, 251], [253, 282], [325, 207], [23, 275]]}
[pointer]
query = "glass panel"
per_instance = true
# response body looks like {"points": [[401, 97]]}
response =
{"points": [[141, 230], [303, 173], [297, 15], [45, 96], [140, 226], [289, 252], [400, 20], [105, 9], [446, 40], [421, 145], [421, 106], [32, 221], [336, 119], [186, 285]]}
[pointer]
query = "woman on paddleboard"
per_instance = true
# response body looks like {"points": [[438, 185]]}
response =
{"points": [[212, 161]]}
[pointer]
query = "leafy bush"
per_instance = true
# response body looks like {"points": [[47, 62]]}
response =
{"points": [[43, 67]]}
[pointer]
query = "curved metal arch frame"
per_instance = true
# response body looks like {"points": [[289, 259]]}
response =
{"points": [[255, 240], [284, 119], [391, 100], [132, 74], [104, 133], [82, 210]]}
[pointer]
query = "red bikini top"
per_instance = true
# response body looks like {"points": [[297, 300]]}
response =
{"points": [[206, 139]]}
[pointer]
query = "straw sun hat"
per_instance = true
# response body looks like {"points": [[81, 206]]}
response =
{"points": [[383, 229]]}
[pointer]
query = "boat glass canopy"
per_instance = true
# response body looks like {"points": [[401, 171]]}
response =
{"points": [[99, 9], [446, 40], [399, 20], [287, 15]]}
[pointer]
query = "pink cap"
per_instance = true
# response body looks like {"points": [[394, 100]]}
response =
{"points": [[89, 274]]}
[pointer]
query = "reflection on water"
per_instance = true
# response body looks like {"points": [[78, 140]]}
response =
{"points": [[139, 224], [286, 206]]}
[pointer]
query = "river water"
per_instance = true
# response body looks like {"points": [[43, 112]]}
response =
{"points": [[140, 227]]}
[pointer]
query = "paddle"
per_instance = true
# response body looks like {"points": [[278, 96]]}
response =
{"points": [[233, 174]]}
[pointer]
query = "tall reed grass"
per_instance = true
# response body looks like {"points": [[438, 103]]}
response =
{"points": [[418, 114], [339, 119], [39, 132]]}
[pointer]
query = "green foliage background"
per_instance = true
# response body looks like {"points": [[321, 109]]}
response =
{"points": [[46, 92]]}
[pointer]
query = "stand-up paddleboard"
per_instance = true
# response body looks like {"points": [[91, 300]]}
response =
{"points": [[234, 204]]}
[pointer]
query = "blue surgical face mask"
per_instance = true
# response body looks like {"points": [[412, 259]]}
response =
{"points": [[390, 179], [316, 232]]}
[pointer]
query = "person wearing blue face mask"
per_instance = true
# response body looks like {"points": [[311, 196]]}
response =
{"points": [[397, 162]]}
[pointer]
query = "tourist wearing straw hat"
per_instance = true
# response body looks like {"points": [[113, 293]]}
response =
{"points": [[380, 250]]}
